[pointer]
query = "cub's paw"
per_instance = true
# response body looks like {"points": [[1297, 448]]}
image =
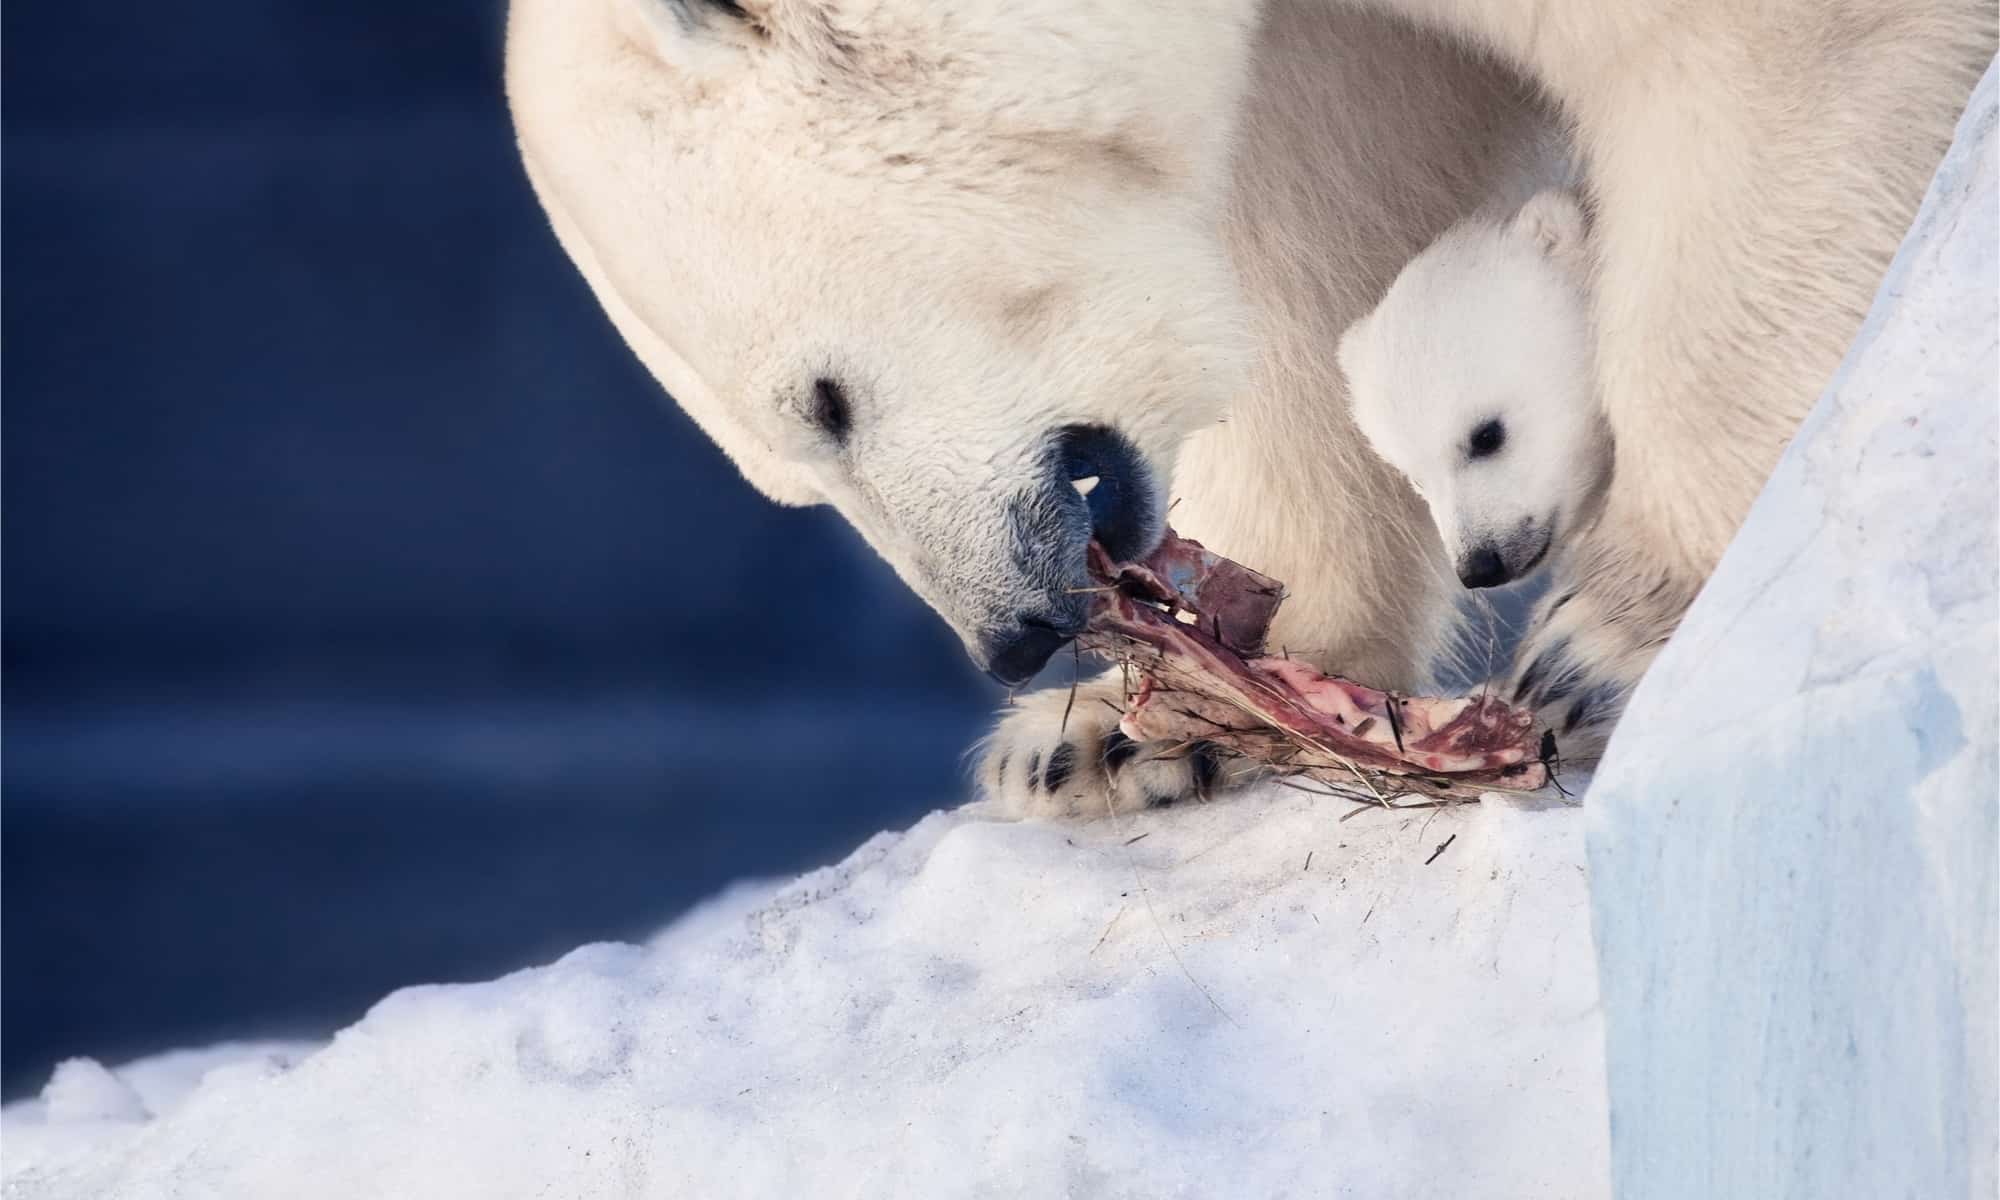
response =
{"points": [[1057, 756], [1588, 643]]}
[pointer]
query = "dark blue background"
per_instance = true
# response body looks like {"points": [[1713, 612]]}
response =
{"points": [[369, 617]]}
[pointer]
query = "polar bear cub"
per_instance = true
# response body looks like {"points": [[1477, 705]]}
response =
{"points": [[1474, 377]]}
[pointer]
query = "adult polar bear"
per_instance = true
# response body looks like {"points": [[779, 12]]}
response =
{"points": [[951, 265]]}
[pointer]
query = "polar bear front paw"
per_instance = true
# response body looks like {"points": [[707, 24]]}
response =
{"points": [[1060, 755], [1588, 642]]}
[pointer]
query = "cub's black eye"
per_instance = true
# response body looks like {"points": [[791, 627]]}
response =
{"points": [[830, 410], [730, 9], [1487, 439]]}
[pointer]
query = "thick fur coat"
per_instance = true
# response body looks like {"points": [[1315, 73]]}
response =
{"points": [[892, 255]]}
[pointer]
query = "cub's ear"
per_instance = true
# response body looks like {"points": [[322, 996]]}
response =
{"points": [[1554, 222], [1353, 350], [693, 35]]}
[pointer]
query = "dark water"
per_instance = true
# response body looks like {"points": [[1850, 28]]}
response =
{"points": [[369, 616], [179, 876]]}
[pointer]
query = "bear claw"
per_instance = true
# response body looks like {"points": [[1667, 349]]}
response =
{"points": [[1084, 767]]}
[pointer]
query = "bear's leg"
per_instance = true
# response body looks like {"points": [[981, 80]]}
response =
{"points": [[1605, 615]]}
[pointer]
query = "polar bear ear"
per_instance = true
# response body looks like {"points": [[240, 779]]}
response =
{"points": [[1554, 222], [696, 34], [1353, 345]]}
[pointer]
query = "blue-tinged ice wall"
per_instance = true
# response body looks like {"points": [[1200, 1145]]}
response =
{"points": [[1792, 842]]}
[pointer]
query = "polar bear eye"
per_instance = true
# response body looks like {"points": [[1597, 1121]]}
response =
{"points": [[735, 12], [689, 14], [830, 410], [739, 14], [1487, 439]]}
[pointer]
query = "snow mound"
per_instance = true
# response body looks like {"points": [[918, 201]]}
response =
{"points": [[1251, 997], [87, 1106], [1792, 836]]}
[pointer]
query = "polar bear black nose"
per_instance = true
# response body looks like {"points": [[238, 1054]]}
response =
{"points": [[1482, 568], [1091, 484], [1107, 471], [1012, 658]]}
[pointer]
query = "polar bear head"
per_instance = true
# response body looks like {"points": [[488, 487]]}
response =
{"points": [[950, 266], [1474, 377]]}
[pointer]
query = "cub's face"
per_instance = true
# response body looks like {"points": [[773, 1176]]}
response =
{"points": [[1473, 377], [949, 266]]}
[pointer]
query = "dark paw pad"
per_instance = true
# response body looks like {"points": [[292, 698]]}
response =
{"points": [[1596, 704], [1061, 762], [1548, 679], [1118, 750], [1204, 764]]}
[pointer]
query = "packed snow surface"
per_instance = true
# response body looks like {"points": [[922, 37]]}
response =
{"points": [[1250, 997]]}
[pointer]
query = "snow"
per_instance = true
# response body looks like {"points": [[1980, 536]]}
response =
{"points": [[86, 1106], [1251, 997], [1792, 838]]}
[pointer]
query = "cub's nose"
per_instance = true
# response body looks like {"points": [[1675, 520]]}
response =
{"points": [[1108, 473], [1013, 657], [1482, 567]]}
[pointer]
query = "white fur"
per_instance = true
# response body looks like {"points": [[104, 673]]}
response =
{"points": [[1489, 329], [995, 219]]}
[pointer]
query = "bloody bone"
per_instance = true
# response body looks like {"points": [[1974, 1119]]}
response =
{"points": [[1190, 627]]}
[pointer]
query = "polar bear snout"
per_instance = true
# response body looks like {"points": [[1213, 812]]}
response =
{"points": [[1490, 564], [1093, 485], [1014, 657], [1483, 567], [1103, 467]]}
